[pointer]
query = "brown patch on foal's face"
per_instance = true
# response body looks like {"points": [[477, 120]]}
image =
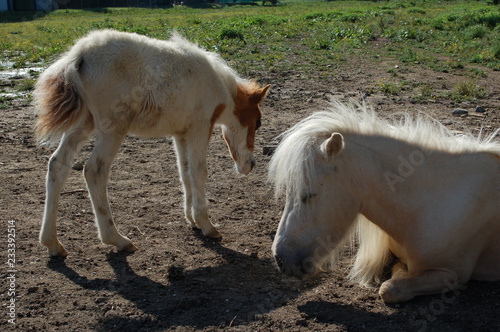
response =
{"points": [[215, 116], [240, 136], [247, 109]]}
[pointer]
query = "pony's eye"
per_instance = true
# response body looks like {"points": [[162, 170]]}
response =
{"points": [[306, 198], [257, 124]]}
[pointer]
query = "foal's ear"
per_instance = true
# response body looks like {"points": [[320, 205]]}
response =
{"points": [[260, 94], [263, 91], [332, 146]]}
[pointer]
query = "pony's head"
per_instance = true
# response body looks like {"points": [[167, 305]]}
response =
{"points": [[311, 167], [239, 134]]}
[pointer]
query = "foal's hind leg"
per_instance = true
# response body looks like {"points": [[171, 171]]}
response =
{"points": [[403, 287], [58, 171], [96, 175]]}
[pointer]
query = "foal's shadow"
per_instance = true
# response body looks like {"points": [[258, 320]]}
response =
{"points": [[200, 299]]}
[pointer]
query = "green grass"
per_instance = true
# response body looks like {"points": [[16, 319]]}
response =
{"points": [[467, 90], [316, 33]]}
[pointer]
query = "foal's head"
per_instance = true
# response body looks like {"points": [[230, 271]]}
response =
{"points": [[320, 207], [239, 134]]}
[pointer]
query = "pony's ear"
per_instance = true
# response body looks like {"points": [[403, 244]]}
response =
{"points": [[333, 145]]}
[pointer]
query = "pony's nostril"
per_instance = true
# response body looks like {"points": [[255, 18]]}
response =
{"points": [[279, 262], [304, 270], [252, 163]]}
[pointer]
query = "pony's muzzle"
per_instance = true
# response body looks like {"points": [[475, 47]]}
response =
{"points": [[298, 267]]}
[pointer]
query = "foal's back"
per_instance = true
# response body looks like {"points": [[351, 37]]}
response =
{"points": [[161, 84]]}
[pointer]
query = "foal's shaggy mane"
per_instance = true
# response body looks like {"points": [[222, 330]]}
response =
{"points": [[292, 165]]}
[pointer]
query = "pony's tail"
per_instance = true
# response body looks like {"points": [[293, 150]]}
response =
{"points": [[58, 99], [373, 254]]}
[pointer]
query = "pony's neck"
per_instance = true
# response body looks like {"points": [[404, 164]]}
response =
{"points": [[375, 162]]}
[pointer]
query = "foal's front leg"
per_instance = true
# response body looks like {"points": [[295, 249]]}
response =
{"points": [[192, 162], [183, 166], [403, 287], [96, 175]]}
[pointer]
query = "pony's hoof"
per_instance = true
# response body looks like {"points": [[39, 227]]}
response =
{"points": [[391, 293], [129, 248]]}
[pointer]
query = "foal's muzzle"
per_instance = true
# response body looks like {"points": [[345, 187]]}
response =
{"points": [[247, 167]]}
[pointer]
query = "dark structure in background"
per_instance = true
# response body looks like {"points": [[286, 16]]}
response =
{"points": [[48, 5]]}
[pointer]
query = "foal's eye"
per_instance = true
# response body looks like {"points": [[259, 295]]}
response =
{"points": [[306, 198], [257, 124]]}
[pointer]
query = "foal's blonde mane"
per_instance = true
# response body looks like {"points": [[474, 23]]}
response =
{"points": [[292, 167], [218, 63]]}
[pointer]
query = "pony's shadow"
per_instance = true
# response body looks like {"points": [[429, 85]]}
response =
{"points": [[348, 316], [199, 299]]}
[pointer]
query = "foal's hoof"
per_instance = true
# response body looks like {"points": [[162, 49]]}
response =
{"points": [[129, 248], [59, 251], [213, 233]]}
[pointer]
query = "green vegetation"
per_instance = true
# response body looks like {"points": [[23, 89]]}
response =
{"points": [[467, 90], [315, 35]]}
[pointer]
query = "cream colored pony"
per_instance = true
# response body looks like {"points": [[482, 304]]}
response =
{"points": [[408, 189], [113, 83]]}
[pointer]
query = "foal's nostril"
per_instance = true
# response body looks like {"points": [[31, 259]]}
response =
{"points": [[252, 163]]}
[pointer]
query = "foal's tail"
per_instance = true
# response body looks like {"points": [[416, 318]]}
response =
{"points": [[58, 98], [373, 253]]}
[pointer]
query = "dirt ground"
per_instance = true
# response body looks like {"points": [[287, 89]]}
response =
{"points": [[180, 281]]}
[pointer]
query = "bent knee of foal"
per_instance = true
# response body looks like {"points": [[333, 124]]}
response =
{"points": [[56, 165], [90, 170]]}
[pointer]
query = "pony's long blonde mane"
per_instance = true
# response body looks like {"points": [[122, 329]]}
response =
{"points": [[292, 164], [292, 168]]}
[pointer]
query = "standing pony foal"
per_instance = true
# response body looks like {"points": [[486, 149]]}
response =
{"points": [[113, 83], [414, 191]]}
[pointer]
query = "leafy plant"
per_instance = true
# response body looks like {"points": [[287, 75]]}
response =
{"points": [[468, 90]]}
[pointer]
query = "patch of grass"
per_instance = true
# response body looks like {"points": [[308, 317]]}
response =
{"points": [[468, 90], [264, 37], [496, 50], [24, 85], [5, 102], [229, 33], [476, 31], [417, 11], [424, 92], [478, 72], [386, 87]]}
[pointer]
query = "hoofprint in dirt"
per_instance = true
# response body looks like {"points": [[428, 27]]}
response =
{"points": [[180, 281]]}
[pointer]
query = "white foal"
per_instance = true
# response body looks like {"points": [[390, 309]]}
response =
{"points": [[112, 84]]}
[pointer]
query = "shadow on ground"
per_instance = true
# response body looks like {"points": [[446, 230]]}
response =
{"points": [[198, 299]]}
